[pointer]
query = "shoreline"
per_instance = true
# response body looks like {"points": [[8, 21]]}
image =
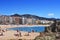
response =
{"points": [[12, 26]]}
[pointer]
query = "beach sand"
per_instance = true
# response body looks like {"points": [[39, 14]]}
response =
{"points": [[10, 35]]}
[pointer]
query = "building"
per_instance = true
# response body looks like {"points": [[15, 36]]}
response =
{"points": [[15, 20], [30, 21], [10, 20]]}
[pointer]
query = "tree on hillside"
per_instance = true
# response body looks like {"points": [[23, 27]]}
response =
{"points": [[53, 26]]}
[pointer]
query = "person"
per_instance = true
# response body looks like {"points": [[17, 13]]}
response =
{"points": [[20, 34], [17, 30], [17, 33], [1, 33], [0, 28], [41, 34], [32, 30]]}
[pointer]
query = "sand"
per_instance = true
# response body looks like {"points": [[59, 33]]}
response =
{"points": [[10, 35]]}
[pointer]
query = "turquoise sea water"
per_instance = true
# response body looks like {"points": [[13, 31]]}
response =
{"points": [[29, 29]]}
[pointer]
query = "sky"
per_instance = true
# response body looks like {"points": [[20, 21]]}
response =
{"points": [[42, 8]]}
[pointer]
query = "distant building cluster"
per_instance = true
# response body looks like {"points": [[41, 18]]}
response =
{"points": [[22, 20]]}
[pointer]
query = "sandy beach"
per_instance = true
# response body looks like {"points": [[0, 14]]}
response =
{"points": [[10, 35]]}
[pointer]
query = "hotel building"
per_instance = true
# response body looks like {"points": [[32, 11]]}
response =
{"points": [[22, 20]]}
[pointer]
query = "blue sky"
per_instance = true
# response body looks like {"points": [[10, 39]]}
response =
{"points": [[43, 8]]}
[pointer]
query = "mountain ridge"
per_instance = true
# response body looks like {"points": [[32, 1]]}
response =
{"points": [[34, 16]]}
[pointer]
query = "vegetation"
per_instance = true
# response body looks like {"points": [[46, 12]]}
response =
{"points": [[34, 16]]}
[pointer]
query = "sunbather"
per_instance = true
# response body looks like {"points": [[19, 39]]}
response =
{"points": [[1, 34]]}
